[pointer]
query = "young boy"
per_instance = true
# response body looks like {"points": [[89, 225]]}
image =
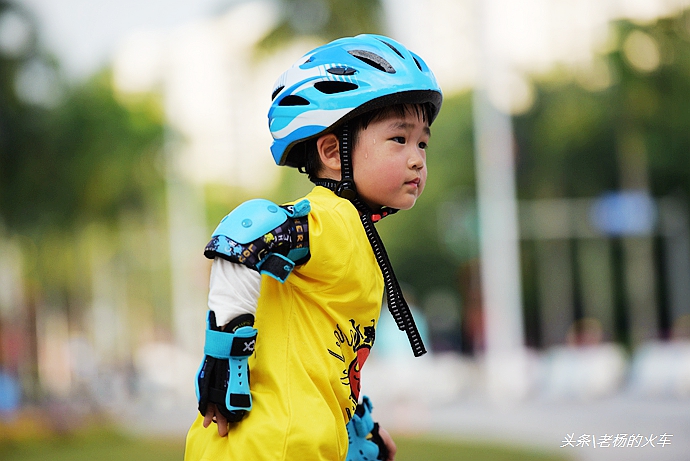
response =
{"points": [[309, 277]]}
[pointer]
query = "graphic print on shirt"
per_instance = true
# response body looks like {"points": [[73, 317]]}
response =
{"points": [[360, 339]]}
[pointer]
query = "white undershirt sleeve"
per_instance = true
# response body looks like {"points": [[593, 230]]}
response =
{"points": [[233, 291]]}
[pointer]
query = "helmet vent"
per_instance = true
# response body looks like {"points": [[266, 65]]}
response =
{"points": [[342, 71], [276, 91], [373, 60], [418, 64], [292, 100], [393, 48], [332, 87]]}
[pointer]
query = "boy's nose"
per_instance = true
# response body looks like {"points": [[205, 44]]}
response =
{"points": [[416, 159]]}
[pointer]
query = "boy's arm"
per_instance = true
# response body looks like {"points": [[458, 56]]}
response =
{"points": [[233, 294], [258, 237], [233, 290]]}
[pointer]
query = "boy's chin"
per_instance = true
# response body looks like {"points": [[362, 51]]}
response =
{"points": [[404, 205], [400, 204]]}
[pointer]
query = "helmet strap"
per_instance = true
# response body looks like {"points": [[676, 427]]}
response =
{"points": [[345, 188], [395, 300]]}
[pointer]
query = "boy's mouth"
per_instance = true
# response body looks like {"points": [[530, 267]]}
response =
{"points": [[414, 182]]}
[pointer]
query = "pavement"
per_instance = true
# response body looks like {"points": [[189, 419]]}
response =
{"points": [[588, 405], [618, 413], [610, 429], [576, 430]]}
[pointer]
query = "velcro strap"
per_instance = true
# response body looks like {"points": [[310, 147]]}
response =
{"points": [[240, 401], [277, 266], [298, 210], [218, 344], [223, 345]]}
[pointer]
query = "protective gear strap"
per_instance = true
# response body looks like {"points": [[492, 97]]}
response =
{"points": [[223, 345], [365, 443], [277, 266], [397, 305]]}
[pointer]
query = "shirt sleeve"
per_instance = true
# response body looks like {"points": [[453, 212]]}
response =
{"points": [[233, 291]]}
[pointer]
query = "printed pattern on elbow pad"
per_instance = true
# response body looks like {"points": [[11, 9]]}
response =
{"points": [[263, 236]]}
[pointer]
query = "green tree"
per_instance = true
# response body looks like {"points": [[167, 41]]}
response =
{"points": [[631, 132], [80, 178], [570, 144], [326, 19], [81, 157]]}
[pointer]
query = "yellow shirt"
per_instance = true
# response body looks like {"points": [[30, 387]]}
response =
{"points": [[315, 332]]}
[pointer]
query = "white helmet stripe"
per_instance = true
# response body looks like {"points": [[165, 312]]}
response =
{"points": [[318, 117]]}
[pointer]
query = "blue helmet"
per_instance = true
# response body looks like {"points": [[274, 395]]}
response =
{"points": [[340, 80]]}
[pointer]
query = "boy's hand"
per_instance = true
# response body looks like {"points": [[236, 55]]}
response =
{"points": [[214, 415], [390, 444]]}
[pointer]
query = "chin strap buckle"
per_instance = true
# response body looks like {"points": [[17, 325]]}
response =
{"points": [[346, 189]]}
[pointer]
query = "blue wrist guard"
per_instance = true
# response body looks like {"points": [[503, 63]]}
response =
{"points": [[223, 377], [363, 434]]}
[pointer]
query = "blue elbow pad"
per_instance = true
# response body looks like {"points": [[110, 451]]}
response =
{"points": [[263, 236], [365, 443]]}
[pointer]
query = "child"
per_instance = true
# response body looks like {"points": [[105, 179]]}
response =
{"points": [[354, 115]]}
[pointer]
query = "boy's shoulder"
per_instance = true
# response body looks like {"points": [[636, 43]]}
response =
{"points": [[325, 204]]}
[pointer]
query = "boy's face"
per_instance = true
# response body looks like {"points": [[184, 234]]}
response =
{"points": [[389, 161]]}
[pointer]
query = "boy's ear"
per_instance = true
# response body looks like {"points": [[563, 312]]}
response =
{"points": [[328, 147]]}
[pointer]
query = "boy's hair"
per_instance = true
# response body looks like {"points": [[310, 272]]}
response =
{"points": [[312, 162]]}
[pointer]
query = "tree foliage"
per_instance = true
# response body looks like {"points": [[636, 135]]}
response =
{"points": [[326, 19], [82, 158], [630, 131], [576, 142], [85, 160]]}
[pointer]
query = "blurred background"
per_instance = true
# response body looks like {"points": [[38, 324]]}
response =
{"points": [[548, 261]]}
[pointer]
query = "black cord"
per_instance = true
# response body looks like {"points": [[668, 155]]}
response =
{"points": [[346, 186], [397, 305], [394, 297]]}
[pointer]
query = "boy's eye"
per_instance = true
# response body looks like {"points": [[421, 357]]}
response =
{"points": [[399, 139], [423, 145]]}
